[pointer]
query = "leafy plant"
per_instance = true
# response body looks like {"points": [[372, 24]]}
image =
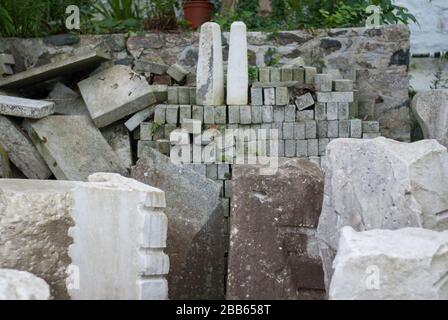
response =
{"points": [[118, 15], [6, 24]]}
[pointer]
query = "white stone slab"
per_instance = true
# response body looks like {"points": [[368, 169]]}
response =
{"points": [[237, 71], [25, 108]]}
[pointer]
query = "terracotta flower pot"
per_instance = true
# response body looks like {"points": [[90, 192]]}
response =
{"points": [[196, 12]]}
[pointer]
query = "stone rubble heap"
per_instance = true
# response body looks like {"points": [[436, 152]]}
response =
{"points": [[201, 139]]}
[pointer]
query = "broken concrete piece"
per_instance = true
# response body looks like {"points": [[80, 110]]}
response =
{"points": [[273, 247], [73, 147], [22, 285], [101, 239], [196, 228], [21, 151], [25, 108], [210, 69], [142, 66], [67, 101], [134, 121], [6, 63], [118, 137], [177, 72], [381, 184], [431, 111], [404, 264], [115, 93], [61, 67]]}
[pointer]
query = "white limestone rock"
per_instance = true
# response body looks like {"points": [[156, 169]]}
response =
{"points": [[22, 285], [210, 69], [237, 71], [381, 184], [405, 264], [431, 111], [101, 239]]}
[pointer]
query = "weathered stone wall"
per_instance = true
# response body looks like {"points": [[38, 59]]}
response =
{"points": [[382, 55]]}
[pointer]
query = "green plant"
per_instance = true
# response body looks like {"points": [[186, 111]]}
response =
{"points": [[118, 15], [6, 24], [272, 57], [35, 18]]}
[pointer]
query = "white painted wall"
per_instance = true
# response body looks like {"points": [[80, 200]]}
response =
{"points": [[432, 33]]}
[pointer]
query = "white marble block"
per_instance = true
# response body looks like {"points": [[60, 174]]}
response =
{"points": [[210, 69], [237, 72], [403, 264]]}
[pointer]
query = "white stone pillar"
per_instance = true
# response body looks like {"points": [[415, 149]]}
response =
{"points": [[210, 70], [237, 71]]}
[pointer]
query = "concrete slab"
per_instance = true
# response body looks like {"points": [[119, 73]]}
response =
{"points": [[60, 67], [73, 147], [115, 93], [25, 108]]}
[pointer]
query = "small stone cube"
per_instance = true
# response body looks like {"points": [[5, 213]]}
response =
{"points": [[256, 96], [160, 114], [323, 82], [304, 101], [220, 114], [323, 145], [287, 74], [302, 148], [198, 113], [310, 75], [333, 129], [356, 128], [320, 111], [245, 115], [234, 114], [343, 85], [288, 130], [313, 147], [264, 74], [267, 114], [299, 130], [332, 111], [184, 112], [269, 96], [276, 75], [322, 129], [290, 148], [344, 128], [192, 95], [184, 95], [310, 129], [290, 113], [173, 95], [212, 171], [256, 114], [343, 110], [223, 171], [146, 133], [172, 114], [209, 115], [305, 115], [298, 74], [279, 114], [281, 96], [177, 72], [370, 127]]}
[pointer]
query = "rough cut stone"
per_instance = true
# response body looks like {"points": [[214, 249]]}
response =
{"points": [[66, 101], [431, 111], [133, 122], [273, 250], [88, 240], [115, 93], [404, 264], [210, 69], [118, 137], [237, 70], [323, 82], [22, 285], [21, 151], [195, 234], [73, 147], [61, 67], [25, 108], [177, 72], [381, 184], [142, 66]]}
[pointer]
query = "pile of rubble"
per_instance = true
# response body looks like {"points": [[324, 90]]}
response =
{"points": [[168, 228]]}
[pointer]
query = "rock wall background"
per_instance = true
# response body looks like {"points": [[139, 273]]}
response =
{"points": [[380, 55]]}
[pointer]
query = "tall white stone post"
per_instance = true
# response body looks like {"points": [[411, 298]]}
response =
{"points": [[237, 71], [210, 70]]}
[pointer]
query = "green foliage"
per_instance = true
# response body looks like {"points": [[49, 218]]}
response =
{"points": [[34, 18], [272, 57], [6, 24], [118, 16], [312, 14]]}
